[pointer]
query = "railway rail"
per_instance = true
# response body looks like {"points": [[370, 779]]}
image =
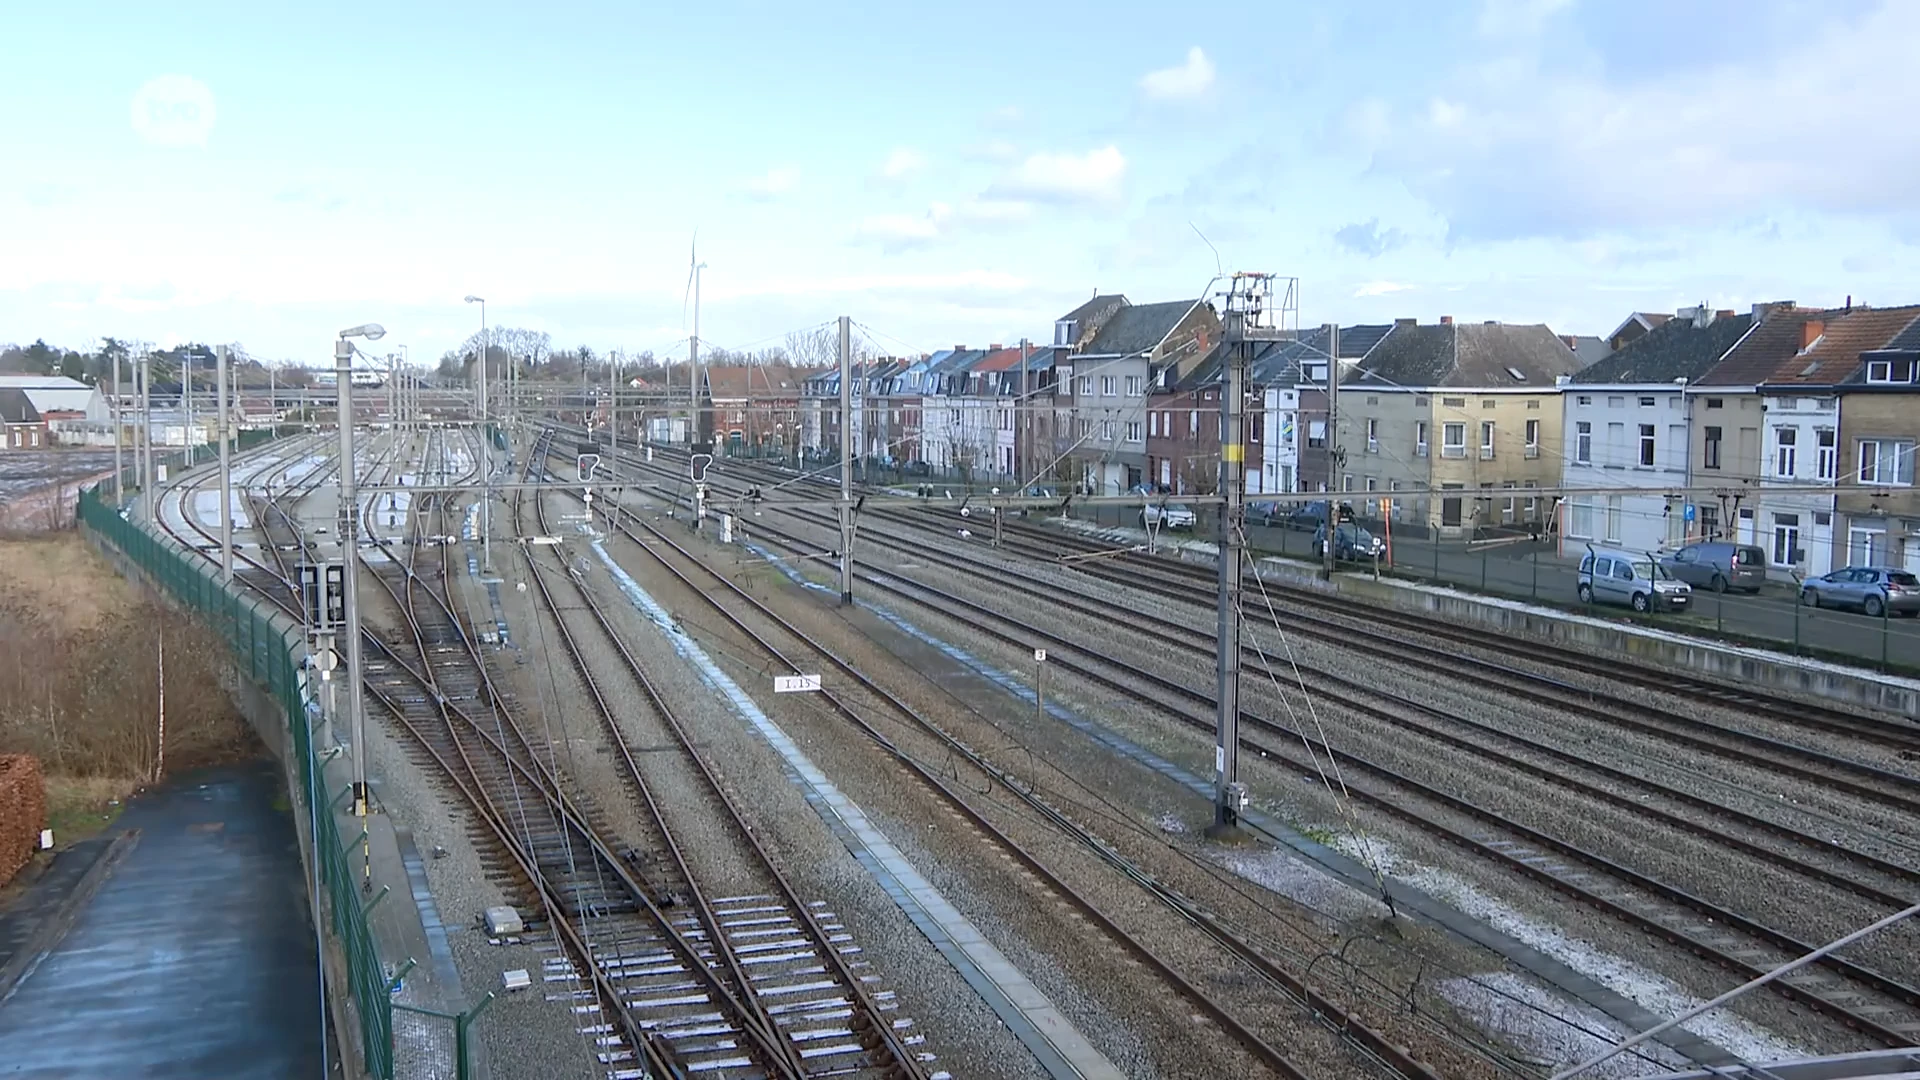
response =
{"points": [[1851, 993], [741, 607]]}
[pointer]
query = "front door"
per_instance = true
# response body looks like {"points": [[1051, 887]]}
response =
{"points": [[1450, 511]]}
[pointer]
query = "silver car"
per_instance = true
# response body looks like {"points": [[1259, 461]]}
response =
{"points": [[1875, 590], [1633, 578], [1170, 516]]}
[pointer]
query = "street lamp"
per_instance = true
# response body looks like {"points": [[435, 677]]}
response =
{"points": [[349, 577], [486, 446]]}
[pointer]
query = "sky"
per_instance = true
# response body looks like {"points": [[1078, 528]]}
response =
{"points": [[267, 175]]}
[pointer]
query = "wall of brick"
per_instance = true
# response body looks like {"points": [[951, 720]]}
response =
{"points": [[23, 812]]}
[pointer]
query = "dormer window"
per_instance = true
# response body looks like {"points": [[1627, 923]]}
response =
{"points": [[1890, 371], [1065, 331]]}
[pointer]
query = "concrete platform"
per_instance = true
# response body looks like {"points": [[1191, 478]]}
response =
{"points": [[195, 957]]}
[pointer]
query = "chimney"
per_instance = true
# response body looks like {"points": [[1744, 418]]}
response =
{"points": [[1723, 313], [995, 347], [1491, 322], [1406, 322], [1446, 320], [1809, 332]]}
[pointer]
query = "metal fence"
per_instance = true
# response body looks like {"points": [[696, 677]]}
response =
{"points": [[268, 648]]}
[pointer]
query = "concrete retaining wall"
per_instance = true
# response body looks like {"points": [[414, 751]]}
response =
{"points": [[1769, 671]]}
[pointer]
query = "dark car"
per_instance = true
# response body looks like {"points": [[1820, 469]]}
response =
{"points": [[1350, 543], [1308, 517]]}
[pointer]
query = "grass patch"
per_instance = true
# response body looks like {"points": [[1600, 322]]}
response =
{"points": [[82, 806]]}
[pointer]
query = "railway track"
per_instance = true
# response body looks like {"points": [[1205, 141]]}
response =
{"points": [[741, 610], [1849, 992], [791, 963]]}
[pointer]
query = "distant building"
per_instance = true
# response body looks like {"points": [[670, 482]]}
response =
{"points": [[21, 426]]}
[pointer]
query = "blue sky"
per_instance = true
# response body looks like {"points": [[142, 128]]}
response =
{"points": [[945, 174]]}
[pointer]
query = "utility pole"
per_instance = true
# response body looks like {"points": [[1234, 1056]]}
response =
{"points": [[143, 445], [1335, 459], [226, 476], [349, 567], [697, 419], [186, 396], [1243, 303], [846, 461], [119, 426]]}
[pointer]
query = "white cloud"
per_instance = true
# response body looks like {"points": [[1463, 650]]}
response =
{"points": [[1187, 80], [902, 162], [1523, 145], [777, 181], [996, 150], [897, 232], [1380, 288], [1091, 177]]}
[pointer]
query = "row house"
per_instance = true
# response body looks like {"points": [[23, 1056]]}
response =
{"points": [[942, 438], [756, 407], [1109, 354], [1299, 408], [1440, 411], [1626, 420], [1879, 430]]}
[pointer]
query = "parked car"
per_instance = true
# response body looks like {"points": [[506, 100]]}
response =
{"points": [[1633, 578], [1168, 516], [1876, 590], [1719, 565], [1350, 542], [1308, 517], [1266, 513]]}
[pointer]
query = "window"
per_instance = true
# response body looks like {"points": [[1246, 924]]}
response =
{"points": [[1133, 385], [1373, 401], [1373, 435], [1086, 386], [1533, 438], [1086, 429], [1346, 481], [1486, 440], [1884, 461], [1316, 434], [1506, 504], [1646, 446], [1107, 383], [1421, 402], [1890, 371], [1785, 451], [1709, 520], [1419, 438], [1193, 423], [1106, 431], [1286, 429], [1613, 519], [1583, 444], [1711, 459], [1580, 517], [1453, 440], [1532, 501], [1616, 402], [1828, 451], [1153, 424], [1133, 431], [1454, 402], [1616, 446], [1488, 403], [1646, 403], [1715, 403], [1534, 403], [1786, 539], [1583, 400], [1373, 507]]}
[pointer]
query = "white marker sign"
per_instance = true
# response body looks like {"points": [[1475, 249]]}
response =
{"points": [[1039, 656], [795, 684]]}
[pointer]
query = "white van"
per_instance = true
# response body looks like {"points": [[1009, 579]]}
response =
{"points": [[1633, 578]]}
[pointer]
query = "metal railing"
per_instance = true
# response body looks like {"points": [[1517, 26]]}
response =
{"points": [[268, 648]]}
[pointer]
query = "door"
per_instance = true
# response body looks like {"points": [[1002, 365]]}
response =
{"points": [[1450, 511], [1866, 547]]}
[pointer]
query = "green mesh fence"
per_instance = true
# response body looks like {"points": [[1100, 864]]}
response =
{"points": [[268, 647]]}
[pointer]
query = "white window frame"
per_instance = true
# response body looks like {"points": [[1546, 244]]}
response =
{"points": [[1583, 442], [1134, 384], [1373, 435], [1533, 438], [1133, 431], [1453, 439], [1786, 452], [1902, 453], [1827, 453], [1109, 386], [1419, 438], [1789, 532], [1086, 386], [1486, 440], [1649, 446]]}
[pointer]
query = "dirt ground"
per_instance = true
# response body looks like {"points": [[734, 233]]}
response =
{"points": [[57, 580]]}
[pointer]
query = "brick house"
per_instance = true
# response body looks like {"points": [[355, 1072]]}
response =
{"points": [[21, 425]]}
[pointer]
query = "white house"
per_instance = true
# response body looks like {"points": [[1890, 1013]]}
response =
{"points": [[58, 397], [1800, 438], [1631, 439], [1627, 430], [1280, 448]]}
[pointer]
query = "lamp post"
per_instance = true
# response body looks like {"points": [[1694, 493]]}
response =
{"points": [[349, 562], [486, 447]]}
